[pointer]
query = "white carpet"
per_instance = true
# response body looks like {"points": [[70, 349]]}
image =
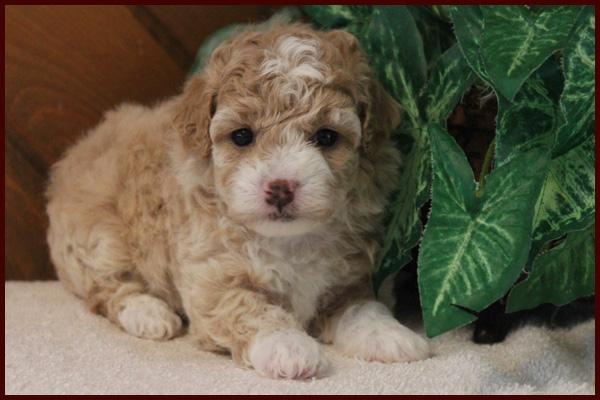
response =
{"points": [[54, 345]]}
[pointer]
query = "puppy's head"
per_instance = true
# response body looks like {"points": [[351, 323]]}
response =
{"points": [[286, 118]]}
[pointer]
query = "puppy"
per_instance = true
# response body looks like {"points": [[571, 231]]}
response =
{"points": [[250, 205]]}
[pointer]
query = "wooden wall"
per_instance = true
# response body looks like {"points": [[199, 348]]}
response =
{"points": [[65, 66]]}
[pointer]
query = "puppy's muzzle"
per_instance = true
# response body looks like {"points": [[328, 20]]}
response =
{"points": [[280, 193]]}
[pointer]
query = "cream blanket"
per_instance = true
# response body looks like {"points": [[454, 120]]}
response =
{"points": [[54, 345]]}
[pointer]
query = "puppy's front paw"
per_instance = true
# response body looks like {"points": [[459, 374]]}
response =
{"points": [[369, 332], [289, 354], [148, 317]]}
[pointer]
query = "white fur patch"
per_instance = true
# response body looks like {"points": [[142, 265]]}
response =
{"points": [[292, 267], [284, 229], [288, 354], [369, 332], [296, 61], [148, 317], [296, 58]]}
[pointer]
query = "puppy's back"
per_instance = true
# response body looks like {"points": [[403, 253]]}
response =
{"points": [[86, 233]]}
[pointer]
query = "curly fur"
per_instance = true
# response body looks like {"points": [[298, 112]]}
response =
{"points": [[155, 213]]}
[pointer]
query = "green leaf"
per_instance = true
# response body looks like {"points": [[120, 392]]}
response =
{"points": [[394, 46], [560, 275], [448, 81], [516, 42], [395, 49], [403, 229], [567, 200], [552, 76], [336, 16], [441, 12], [578, 98], [468, 27], [474, 248], [436, 33], [567, 197], [527, 122]]}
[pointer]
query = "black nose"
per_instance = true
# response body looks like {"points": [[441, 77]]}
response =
{"points": [[279, 194]]}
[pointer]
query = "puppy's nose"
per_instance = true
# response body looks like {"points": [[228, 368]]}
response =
{"points": [[280, 192]]}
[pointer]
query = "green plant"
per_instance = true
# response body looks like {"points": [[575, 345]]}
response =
{"points": [[531, 211], [537, 183]]}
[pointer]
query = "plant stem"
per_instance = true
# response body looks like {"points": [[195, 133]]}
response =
{"points": [[487, 163]]}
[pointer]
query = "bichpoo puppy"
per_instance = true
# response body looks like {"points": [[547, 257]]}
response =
{"points": [[250, 205]]}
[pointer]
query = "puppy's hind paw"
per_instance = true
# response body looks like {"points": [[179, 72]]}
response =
{"points": [[288, 354], [149, 317]]}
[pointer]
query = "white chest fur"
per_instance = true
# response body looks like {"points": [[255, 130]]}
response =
{"points": [[294, 269]]}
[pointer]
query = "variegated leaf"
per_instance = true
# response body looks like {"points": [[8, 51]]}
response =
{"points": [[468, 27], [527, 122], [474, 248], [567, 200], [337, 16], [395, 49], [442, 12], [560, 275], [403, 227], [551, 74], [450, 78], [516, 42], [578, 98], [435, 32]]}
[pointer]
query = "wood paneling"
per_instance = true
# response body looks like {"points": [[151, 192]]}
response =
{"points": [[64, 67], [191, 26], [25, 223]]}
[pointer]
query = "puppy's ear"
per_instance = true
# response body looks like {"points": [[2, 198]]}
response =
{"points": [[196, 107], [379, 116], [346, 42]]}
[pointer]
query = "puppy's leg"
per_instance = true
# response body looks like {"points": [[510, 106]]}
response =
{"points": [[147, 317], [93, 262], [229, 311], [126, 303], [367, 330]]}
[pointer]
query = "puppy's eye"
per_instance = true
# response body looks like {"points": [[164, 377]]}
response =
{"points": [[324, 138], [242, 137]]}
